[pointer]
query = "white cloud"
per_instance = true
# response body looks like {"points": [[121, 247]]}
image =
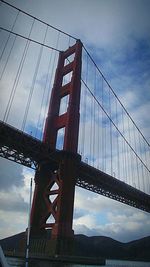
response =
{"points": [[15, 205], [12, 223], [88, 220], [11, 174], [102, 216], [12, 201], [113, 23]]}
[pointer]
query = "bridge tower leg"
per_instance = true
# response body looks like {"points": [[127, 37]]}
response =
{"points": [[55, 185]]}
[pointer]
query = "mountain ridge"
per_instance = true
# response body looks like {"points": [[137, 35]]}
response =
{"points": [[97, 246], [112, 249]]}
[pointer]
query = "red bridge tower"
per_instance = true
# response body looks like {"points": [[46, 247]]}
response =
{"points": [[54, 187]]}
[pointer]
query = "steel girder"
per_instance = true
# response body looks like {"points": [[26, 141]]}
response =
{"points": [[22, 148], [106, 185], [28, 151]]}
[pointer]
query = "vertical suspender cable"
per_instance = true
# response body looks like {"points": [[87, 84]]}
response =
{"points": [[91, 98], [51, 77], [9, 34], [142, 171], [42, 102], [137, 169], [124, 150], [94, 117], [47, 95], [13, 91], [102, 126], [99, 136], [28, 231], [118, 161], [127, 154], [147, 174], [123, 162], [110, 136], [33, 84], [8, 56], [130, 154], [84, 107], [15, 84]]}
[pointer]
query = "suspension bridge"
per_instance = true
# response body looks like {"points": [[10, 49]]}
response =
{"points": [[60, 116]]}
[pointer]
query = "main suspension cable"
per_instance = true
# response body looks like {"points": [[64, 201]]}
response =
{"points": [[41, 21], [115, 94], [9, 34], [29, 39], [106, 113], [15, 84], [33, 83]]}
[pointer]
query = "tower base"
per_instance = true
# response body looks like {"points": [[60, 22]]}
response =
{"points": [[51, 247]]}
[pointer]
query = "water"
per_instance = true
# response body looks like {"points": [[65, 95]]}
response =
{"points": [[16, 262]]}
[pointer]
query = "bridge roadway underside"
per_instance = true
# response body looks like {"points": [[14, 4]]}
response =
{"points": [[22, 148]]}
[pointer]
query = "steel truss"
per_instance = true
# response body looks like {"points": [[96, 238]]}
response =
{"points": [[24, 149], [28, 151], [106, 185]]}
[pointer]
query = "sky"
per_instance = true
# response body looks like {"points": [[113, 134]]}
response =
{"points": [[117, 35]]}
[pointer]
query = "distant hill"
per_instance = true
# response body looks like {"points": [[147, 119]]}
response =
{"points": [[12, 242], [98, 246], [111, 249]]}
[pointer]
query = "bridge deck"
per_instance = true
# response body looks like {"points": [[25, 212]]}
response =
{"points": [[26, 150]]}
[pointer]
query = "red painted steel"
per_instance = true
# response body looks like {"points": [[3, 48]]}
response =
{"points": [[70, 120], [64, 176]]}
